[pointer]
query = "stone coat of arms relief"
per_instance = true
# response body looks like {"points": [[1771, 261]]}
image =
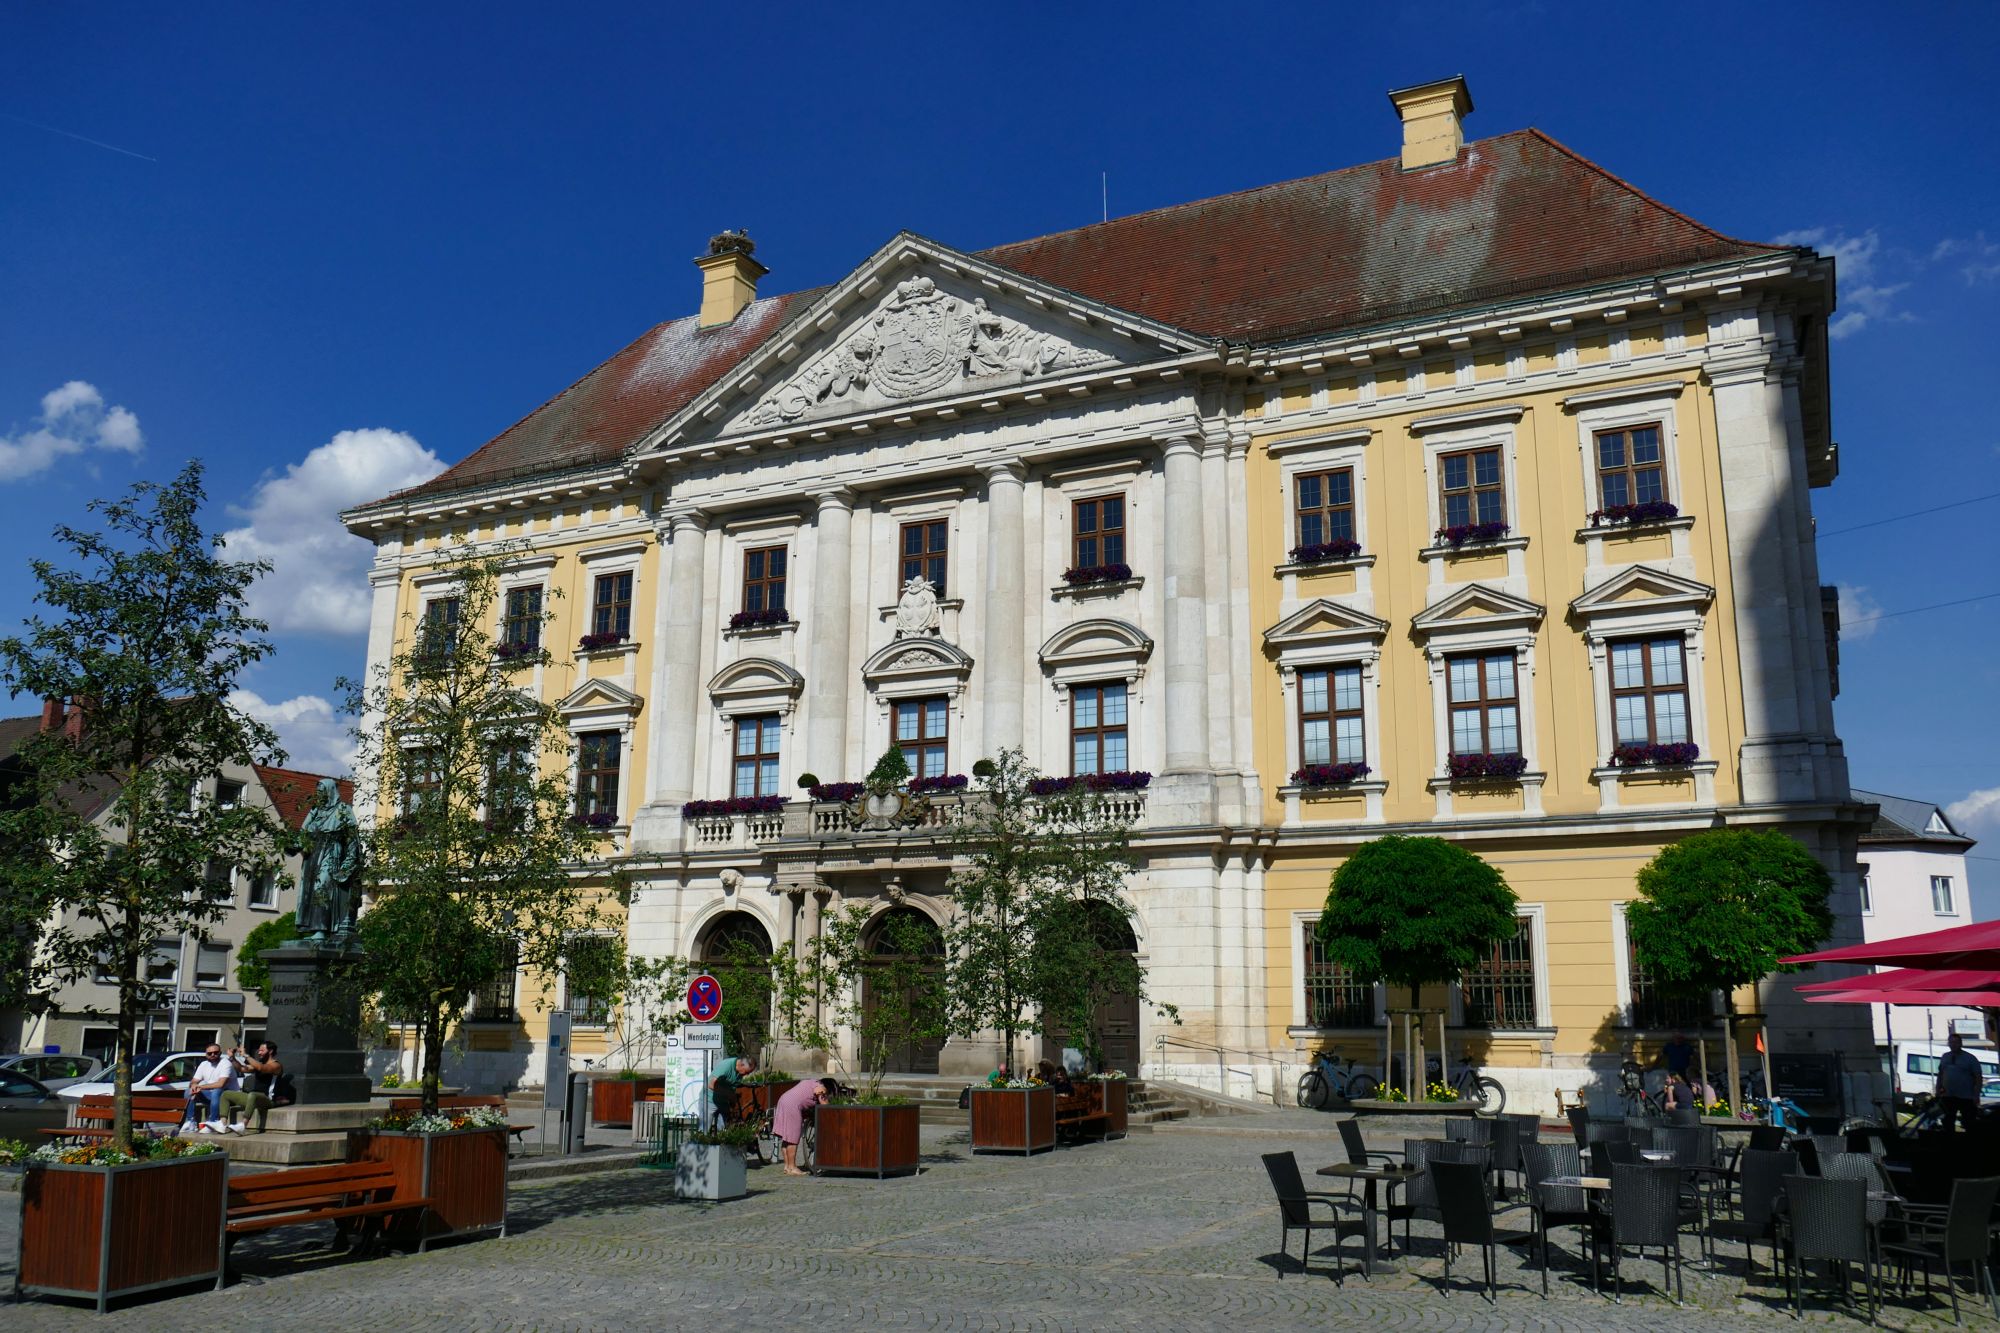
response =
{"points": [[920, 341]]}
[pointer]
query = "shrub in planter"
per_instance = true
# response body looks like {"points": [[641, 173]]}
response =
{"points": [[457, 1159], [101, 1223], [1635, 515], [760, 619], [1110, 1094], [733, 805], [1647, 755], [590, 643], [710, 1164], [612, 1099]]}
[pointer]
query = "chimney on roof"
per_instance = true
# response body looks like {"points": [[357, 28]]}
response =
{"points": [[52, 714], [728, 277], [1433, 120]]}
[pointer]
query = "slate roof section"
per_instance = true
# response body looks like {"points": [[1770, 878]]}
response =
{"points": [[1514, 216], [1901, 819], [291, 791]]}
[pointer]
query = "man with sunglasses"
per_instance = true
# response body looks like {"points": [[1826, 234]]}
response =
{"points": [[212, 1077]]}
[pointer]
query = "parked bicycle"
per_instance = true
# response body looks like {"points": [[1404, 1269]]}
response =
{"points": [[1484, 1093], [1326, 1082]]}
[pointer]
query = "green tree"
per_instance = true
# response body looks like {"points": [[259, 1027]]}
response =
{"points": [[1414, 912], [1083, 962], [1718, 909], [145, 636], [481, 838], [251, 972], [884, 987], [1038, 855]]}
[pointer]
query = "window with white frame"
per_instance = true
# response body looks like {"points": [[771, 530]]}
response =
{"points": [[1867, 897], [211, 964], [1332, 717], [263, 889], [1097, 728], [1631, 466], [923, 733], [756, 755], [1334, 997], [1485, 703], [1941, 895], [1649, 697], [598, 757]]}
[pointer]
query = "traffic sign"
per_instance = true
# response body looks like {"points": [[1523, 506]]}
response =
{"points": [[701, 1037], [704, 998]]}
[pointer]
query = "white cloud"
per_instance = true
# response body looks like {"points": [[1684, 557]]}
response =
{"points": [[318, 580], [74, 419], [1858, 612], [1862, 298], [1978, 814], [1980, 258], [312, 733]]}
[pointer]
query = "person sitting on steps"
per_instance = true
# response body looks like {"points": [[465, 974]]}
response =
{"points": [[262, 1073]]}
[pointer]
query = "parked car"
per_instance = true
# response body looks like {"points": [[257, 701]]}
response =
{"points": [[162, 1073], [27, 1108], [55, 1072], [1918, 1061]]}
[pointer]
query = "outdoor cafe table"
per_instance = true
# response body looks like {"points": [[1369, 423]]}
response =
{"points": [[1369, 1176]]}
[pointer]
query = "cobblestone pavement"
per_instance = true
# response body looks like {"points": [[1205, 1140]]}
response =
{"points": [[1171, 1230]]}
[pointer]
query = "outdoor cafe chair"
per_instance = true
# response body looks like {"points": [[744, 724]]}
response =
{"points": [[1858, 1166], [1579, 1123], [1684, 1115], [1561, 1205], [1959, 1233], [1295, 1211], [1465, 1207], [1603, 1156], [1826, 1219], [1761, 1176], [1645, 1215], [1358, 1153], [1420, 1198]]}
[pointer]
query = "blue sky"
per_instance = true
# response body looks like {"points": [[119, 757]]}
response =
{"points": [[325, 248]]}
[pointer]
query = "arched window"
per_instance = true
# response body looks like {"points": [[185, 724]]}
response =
{"points": [[736, 949], [898, 938]]}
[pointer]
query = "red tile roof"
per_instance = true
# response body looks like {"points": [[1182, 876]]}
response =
{"points": [[1515, 215], [291, 791]]}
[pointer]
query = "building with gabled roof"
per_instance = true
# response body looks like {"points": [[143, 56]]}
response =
{"points": [[1913, 881]]}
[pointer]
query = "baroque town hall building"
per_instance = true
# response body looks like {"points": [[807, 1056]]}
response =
{"points": [[1475, 466]]}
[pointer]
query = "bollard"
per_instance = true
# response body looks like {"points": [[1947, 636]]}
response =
{"points": [[577, 1119]]}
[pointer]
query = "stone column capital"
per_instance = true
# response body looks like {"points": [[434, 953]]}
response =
{"points": [[833, 497], [1189, 442], [688, 519], [1005, 469]]}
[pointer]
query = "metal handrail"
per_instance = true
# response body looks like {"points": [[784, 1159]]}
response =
{"points": [[1222, 1067]]}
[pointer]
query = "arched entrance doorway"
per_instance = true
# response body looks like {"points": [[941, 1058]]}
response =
{"points": [[1104, 951], [903, 935], [736, 949]]}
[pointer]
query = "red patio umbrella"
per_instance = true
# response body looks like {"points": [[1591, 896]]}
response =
{"points": [[1973, 946], [1970, 999], [1912, 979]]}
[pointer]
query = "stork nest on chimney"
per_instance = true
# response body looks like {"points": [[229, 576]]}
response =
{"points": [[728, 242]]}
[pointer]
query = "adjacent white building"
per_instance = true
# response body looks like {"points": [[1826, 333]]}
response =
{"points": [[1913, 881]]}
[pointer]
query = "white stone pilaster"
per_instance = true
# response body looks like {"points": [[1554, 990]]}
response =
{"points": [[829, 671], [675, 696], [1004, 669]]}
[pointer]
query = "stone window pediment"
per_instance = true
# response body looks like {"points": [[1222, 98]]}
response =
{"points": [[1477, 609], [1322, 625], [756, 685], [600, 698], [916, 666], [1641, 597], [1100, 648]]}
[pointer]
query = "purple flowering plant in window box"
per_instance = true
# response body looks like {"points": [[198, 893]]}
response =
{"points": [[1499, 766], [1676, 754], [1314, 776], [1633, 515], [835, 791], [1471, 534], [942, 782], [734, 805], [1120, 780], [1082, 576], [590, 643], [512, 651], [1315, 553], [770, 615], [596, 819]]}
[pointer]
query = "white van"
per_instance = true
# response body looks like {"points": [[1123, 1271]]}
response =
{"points": [[1917, 1066]]}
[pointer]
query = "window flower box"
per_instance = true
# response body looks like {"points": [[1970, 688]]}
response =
{"points": [[1318, 777], [861, 1139], [509, 651], [1319, 553], [1488, 767], [1471, 534], [942, 782], [591, 643], [843, 792], [1083, 576], [734, 805], [765, 619], [1121, 780], [1675, 755], [101, 1228], [596, 819], [1634, 515], [1013, 1120]]}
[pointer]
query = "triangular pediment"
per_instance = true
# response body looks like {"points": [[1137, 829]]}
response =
{"points": [[918, 653], [1642, 585], [921, 326], [599, 695], [1324, 621], [1477, 604]]}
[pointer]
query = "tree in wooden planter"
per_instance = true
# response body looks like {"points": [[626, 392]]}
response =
{"points": [[113, 826], [1718, 909], [470, 866], [457, 1159]]}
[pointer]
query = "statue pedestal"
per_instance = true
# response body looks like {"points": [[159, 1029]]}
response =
{"points": [[314, 1021]]}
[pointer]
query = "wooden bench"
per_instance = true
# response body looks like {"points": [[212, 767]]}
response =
{"points": [[147, 1109], [343, 1194], [1077, 1115], [463, 1102]]}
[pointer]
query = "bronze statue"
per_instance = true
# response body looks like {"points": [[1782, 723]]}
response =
{"points": [[330, 889]]}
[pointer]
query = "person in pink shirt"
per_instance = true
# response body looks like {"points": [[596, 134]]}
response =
{"points": [[788, 1117]]}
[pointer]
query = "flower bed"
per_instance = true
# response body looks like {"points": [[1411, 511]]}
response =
{"points": [[1650, 511], [590, 643], [1676, 755], [734, 805], [942, 782], [1501, 767], [1121, 780], [1315, 777], [776, 615], [1341, 548], [1471, 534], [1082, 576]]}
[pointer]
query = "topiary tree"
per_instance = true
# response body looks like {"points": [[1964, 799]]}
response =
{"points": [[1415, 912], [251, 972], [891, 771], [1718, 909]]}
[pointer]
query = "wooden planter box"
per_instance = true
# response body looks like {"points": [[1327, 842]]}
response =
{"points": [[873, 1141], [1021, 1120], [712, 1171], [462, 1171], [1111, 1097], [105, 1231], [611, 1099]]}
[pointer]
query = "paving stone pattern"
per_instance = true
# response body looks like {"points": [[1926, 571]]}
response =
{"points": [[1171, 1230]]}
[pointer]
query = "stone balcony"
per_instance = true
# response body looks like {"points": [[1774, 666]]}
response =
{"points": [[927, 820]]}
